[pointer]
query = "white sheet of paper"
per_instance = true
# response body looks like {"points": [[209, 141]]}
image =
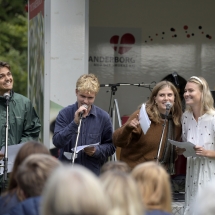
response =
{"points": [[186, 145], [79, 148], [69, 155], [12, 151], [144, 119]]}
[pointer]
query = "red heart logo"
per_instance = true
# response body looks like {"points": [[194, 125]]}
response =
{"points": [[126, 39]]}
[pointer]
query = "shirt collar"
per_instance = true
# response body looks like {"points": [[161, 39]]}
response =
{"points": [[93, 110]]}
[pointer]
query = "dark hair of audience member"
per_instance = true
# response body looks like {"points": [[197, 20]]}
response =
{"points": [[31, 147], [33, 173]]}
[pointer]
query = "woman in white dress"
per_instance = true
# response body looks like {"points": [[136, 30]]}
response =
{"points": [[198, 127]]}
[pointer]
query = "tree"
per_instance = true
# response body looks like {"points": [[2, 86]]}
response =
{"points": [[14, 40]]}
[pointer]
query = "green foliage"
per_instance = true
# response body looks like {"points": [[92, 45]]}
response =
{"points": [[14, 41]]}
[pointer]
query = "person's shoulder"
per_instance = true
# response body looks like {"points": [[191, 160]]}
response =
{"points": [[7, 202], [186, 114], [100, 111], [68, 108], [157, 212], [19, 97], [67, 113], [29, 206], [211, 113], [31, 201], [209, 116]]}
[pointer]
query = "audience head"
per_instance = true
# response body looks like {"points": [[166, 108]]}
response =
{"points": [[123, 194], [31, 147], [206, 100], [115, 165], [73, 190], [154, 184], [34, 172], [152, 107], [203, 203]]}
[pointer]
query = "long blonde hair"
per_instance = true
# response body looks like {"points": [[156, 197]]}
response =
{"points": [[154, 184], [123, 193], [152, 109], [207, 101]]}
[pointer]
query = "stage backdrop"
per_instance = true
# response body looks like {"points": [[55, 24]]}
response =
{"points": [[142, 41], [121, 41]]}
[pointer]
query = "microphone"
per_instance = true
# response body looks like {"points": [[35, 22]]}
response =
{"points": [[6, 96], [82, 112], [175, 76], [168, 106]]}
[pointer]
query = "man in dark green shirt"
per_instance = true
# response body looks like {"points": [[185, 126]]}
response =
{"points": [[23, 122]]}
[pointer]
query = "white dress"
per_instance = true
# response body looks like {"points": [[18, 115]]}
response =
{"points": [[200, 170]]}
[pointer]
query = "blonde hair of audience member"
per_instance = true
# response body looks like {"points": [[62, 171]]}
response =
{"points": [[34, 172], [31, 147], [88, 83], [203, 203], [176, 109], [115, 165], [73, 190], [206, 97], [154, 184], [122, 191]]}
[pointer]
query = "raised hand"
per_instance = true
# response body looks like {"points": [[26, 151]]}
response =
{"points": [[134, 122]]}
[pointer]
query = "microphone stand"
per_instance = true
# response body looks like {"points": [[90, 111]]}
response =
{"points": [[6, 151], [76, 142], [114, 101], [149, 86], [161, 140], [113, 109]]}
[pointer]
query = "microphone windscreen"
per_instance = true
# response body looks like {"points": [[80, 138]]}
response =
{"points": [[6, 95], [82, 112], [175, 76], [168, 105], [86, 106]]}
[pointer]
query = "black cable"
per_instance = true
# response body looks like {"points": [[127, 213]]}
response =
{"points": [[109, 109]]}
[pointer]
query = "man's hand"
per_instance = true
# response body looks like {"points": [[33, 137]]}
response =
{"points": [[77, 113], [90, 150]]}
